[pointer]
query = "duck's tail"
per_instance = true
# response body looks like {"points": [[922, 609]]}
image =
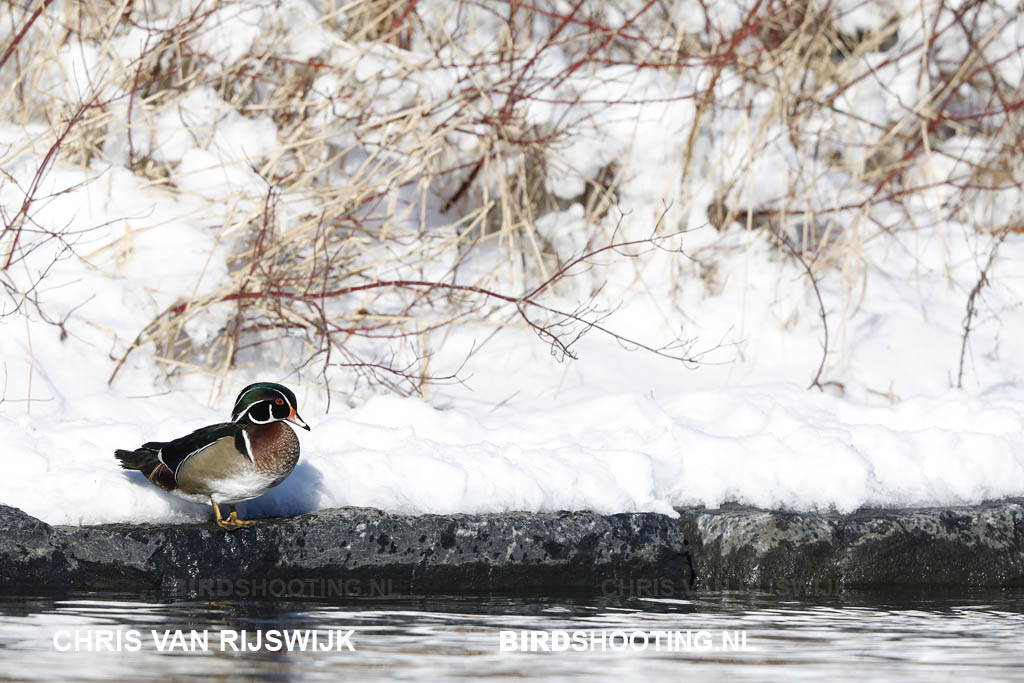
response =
{"points": [[142, 459], [147, 461]]}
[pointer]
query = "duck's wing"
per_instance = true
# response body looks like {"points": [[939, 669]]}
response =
{"points": [[174, 453]]}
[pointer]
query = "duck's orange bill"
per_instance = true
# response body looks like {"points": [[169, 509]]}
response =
{"points": [[294, 418]]}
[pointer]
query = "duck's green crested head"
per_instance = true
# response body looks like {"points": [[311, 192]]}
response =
{"points": [[266, 402]]}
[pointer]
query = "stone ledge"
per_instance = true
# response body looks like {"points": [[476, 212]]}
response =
{"points": [[967, 546], [349, 551], [360, 551]]}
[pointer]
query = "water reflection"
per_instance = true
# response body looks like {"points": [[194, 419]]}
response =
{"points": [[923, 635]]}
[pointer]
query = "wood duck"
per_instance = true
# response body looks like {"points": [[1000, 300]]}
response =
{"points": [[229, 462]]}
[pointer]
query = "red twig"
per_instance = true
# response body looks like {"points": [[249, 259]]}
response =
{"points": [[16, 40]]}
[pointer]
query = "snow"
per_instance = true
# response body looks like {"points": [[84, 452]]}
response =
{"points": [[616, 430], [770, 445]]}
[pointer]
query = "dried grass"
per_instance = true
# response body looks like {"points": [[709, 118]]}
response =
{"points": [[382, 183]]}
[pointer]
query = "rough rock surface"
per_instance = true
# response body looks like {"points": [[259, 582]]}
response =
{"points": [[31, 552], [349, 551], [357, 551], [736, 547]]}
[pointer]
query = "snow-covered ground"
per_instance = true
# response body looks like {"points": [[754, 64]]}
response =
{"points": [[618, 429]]}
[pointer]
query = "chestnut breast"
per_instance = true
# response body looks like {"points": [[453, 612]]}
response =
{"points": [[275, 449]]}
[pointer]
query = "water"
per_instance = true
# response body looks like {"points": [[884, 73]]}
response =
{"points": [[925, 636]]}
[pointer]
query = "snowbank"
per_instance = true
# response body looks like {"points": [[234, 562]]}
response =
{"points": [[773, 446], [122, 232]]}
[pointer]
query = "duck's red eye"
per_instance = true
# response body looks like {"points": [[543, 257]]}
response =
{"points": [[279, 401]]}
